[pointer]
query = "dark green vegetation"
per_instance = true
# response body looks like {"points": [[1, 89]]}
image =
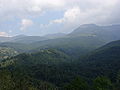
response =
{"points": [[52, 69], [105, 60], [77, 61]]}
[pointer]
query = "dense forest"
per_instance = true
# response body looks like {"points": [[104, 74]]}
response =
{"points": [[53, 69]]}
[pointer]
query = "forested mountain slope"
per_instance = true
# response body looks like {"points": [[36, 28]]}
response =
{"points": [[105, 60], [85, 38], [53, 69]]}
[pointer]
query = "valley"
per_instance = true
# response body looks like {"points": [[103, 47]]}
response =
{"points": [[86, 59]]}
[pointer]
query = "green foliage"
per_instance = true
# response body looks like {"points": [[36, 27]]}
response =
{"points": [[51, 69], [49, 56], [77, 84], [18, 80], [7, 63], [73, 46], [118, 77], [47, 86], [6, 82], [102, 83], [117, 84]]}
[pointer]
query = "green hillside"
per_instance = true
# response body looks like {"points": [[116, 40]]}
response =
{"points": [[51, 69], [44, 67], [104, 61], [73, 46]]}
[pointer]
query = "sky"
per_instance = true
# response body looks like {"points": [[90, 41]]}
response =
{"points": [[41, 17]]}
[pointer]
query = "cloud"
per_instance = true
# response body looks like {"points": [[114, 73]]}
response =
{"points": [[24, 8], [69, 13], [37, 5], [69, 16], [26, 23], [85, 12], [95, 12], [4, 34]]}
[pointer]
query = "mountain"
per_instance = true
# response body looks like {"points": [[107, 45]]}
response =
{"points": [[109, 52], [74, 46], [19, 47], [104, 60], [52, 64], [46, 65], [82, 40], [10, 39], [106, 33], [22, 39], [28, 39], [57, 68], [85, 30], [54, 36], [48, 57], [4, 39], [19, 36]]}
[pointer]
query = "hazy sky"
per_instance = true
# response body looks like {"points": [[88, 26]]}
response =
{"points": [[40, 17]]}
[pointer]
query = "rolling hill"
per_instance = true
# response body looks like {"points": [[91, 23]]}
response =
{"points": [[104, 60], [46, 65], [57, 68], [74, 46], [82, 40]]}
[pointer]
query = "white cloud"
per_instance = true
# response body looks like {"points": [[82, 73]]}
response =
{"points": [[84, 12], [25, 23], [75, 12], [28, 7], [95, 12], [69, 16], [31, 7], [4, 34], [37, 5]]}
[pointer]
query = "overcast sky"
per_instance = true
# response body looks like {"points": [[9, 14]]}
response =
{"points": [[40, 17]]}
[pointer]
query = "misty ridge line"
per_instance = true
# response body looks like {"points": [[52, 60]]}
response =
{"points": [[87, 26]]}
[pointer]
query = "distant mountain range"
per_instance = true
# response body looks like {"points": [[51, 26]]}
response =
{"points": [[30, 39], [107, 33], [82, 40], [53, 61]]}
